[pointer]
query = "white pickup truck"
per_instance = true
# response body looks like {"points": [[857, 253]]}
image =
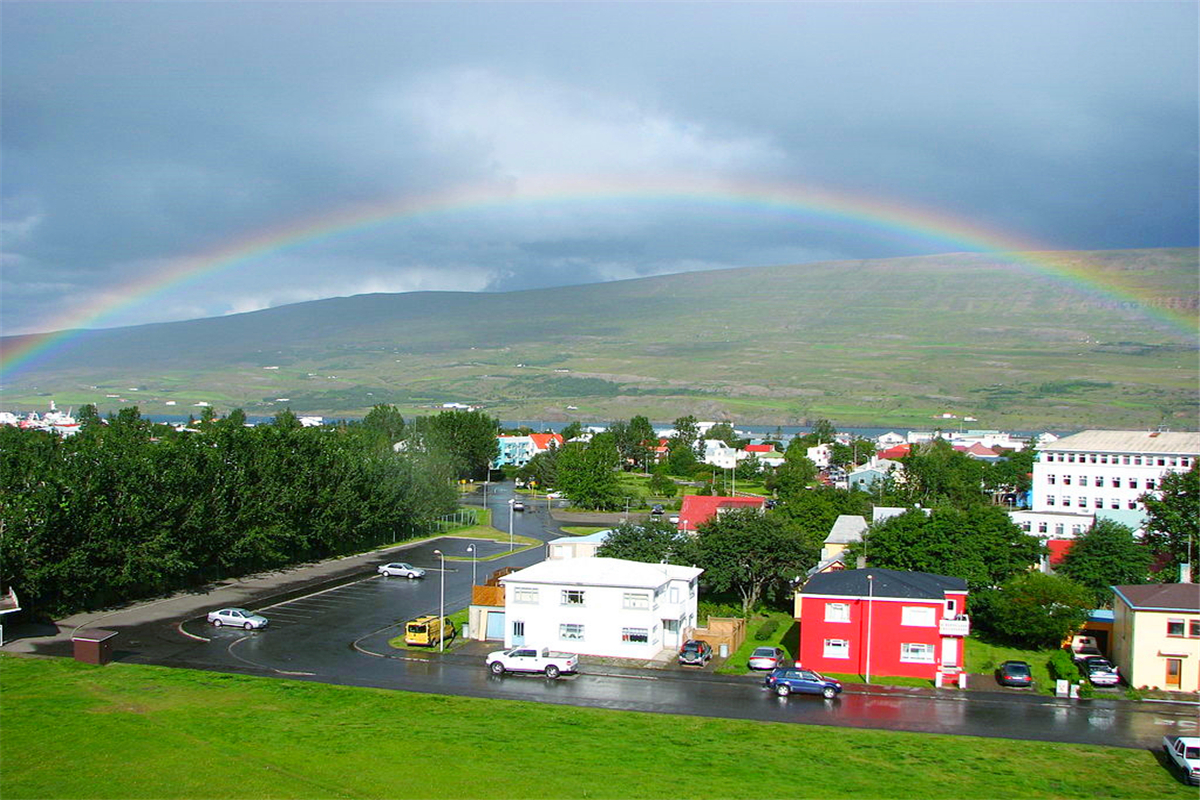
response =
{"points": [[1184, 753], [530, 659]]}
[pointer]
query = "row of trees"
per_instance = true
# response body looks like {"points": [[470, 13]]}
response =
{"points": [[128, 508]]}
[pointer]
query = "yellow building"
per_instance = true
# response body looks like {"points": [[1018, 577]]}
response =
{"points": [[1156, 635]]}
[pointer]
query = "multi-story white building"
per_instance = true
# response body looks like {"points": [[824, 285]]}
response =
{"points": [[600, 606], [1092, 472]]}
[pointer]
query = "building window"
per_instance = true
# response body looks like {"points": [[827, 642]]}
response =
{"points": [[1026, 526], [518, 628], [1050, 479], [1137, 461], [1125, 460], [1162, 462], [1149, 483], [918, 653], [1184, 462], [1194, 627], [636, 601], [570, 632], [1116, 482], [1071, 458], [1098, 502], [572, 597], [525, 594], [1066, 499], [1174, 627], [1104, 459], [1049, 499], [1066, 480], [1058, 529], [1099, 481], [918, 616], [674, 594], [1132, 504], [1076, 529], [951, 606], [1115, 503], [836, 648], [1081, 501], [1092, 458], [1043, 527], [635, 635], [1133, 483], [1083, 480], [837, 612]]}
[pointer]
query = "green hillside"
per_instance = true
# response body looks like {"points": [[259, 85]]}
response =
{"points": [[890, 342]]}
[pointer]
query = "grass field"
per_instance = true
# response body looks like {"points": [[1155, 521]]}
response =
{"points": [[129, 731]]}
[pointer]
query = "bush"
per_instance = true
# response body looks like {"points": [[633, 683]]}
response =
{"points": [[766, 629], [706, 609], [1062, 667]]}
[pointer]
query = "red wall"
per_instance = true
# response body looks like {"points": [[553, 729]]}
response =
{"points": [[887, 634]]}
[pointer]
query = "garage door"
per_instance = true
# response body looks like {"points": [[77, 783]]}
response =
{"points": [[495, 625]]}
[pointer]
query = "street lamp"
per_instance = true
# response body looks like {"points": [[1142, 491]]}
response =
{"points": [[442, 604], [870, 597], [512, 503], [471, 550]]}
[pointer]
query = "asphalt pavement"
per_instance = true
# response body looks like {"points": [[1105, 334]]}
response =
{"points": [[331, 622]]}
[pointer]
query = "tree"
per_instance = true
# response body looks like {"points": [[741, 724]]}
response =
{"points": [[572, 430], [937, 474], [652, 542], [723, 431], [662, 485], [386, 422], [979, 544], [1013, 473], [1173, 524], [681, 448], [859, 451], [748, 468], [465, 439], [641, 433], [587, 473], [823, 431], [752, 553], [1034, 609], [1107, 555]]}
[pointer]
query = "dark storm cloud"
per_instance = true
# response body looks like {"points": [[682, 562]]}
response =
{"points": [[138, 134]]}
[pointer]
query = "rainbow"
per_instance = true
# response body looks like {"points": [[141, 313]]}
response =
{"points": [[874, 216]]}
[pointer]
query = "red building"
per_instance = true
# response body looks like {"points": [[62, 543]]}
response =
{"points": [[883, 622], [700, 508]]}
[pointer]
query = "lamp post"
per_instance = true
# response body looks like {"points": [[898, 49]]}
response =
{"points": [[870, 598], [442, 604], [512, 502], [471, 550]]}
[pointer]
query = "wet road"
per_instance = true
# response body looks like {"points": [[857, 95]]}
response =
{"points": [[340, 634]]}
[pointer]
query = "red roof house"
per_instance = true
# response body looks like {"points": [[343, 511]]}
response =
{"points": [[541, 441], [895, 453], [699, 508]]}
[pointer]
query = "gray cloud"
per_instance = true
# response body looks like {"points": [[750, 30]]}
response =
{"points": [[137, 135]]}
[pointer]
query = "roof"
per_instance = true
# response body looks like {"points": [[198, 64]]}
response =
{"points": [[848, 528], [759, 448], [1161, 596], [700, 508], [599, 537], [1128, 442], [895, 453], [887, 583], [602, 572], [542, 440]]}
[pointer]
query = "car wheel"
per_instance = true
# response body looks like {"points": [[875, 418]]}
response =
{"points": [[497, 668], [783, 690], [551, 671], [248, 626], [828, 692], [216, 623]]}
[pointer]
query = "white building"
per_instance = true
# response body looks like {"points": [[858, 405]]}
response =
{"points": [[719, 454], [1080, 476], [820, 455], [576, 546], [600, 606]]}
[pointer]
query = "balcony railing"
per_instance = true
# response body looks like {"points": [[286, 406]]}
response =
{"points": [[958, 626]]}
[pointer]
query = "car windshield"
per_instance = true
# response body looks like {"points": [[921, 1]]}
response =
{"points": [[1018, 669], [764, 651]]}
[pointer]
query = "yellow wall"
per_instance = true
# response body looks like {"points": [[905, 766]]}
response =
{"points": [[1140, 647]]}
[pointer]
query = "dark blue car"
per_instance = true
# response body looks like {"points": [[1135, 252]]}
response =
{"points": [[785, 680]]}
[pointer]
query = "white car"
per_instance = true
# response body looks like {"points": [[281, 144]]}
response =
{"points": [[237, 618], [400, 569]]}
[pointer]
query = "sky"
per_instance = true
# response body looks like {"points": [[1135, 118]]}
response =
{"points": [[139, 140]]}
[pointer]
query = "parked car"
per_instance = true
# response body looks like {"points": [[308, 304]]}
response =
{"points": [[673, 519], [518, 505], [428, 631], [400, 569], [237, 618], [656, 511], [767, 657], [1183, 753], [1100, 671], [785, 680], [1014, 673], [695, 653], [1084, 646], [530, 659]]}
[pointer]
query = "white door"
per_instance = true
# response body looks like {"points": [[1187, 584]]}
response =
{"points": [[949, 652]]}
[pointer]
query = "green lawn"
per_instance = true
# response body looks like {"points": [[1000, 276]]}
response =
{"points": [[131, 731], [983, 657]]}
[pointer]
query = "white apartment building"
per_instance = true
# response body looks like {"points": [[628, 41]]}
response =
{"points": [[1101, 471], [600, 606]]}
